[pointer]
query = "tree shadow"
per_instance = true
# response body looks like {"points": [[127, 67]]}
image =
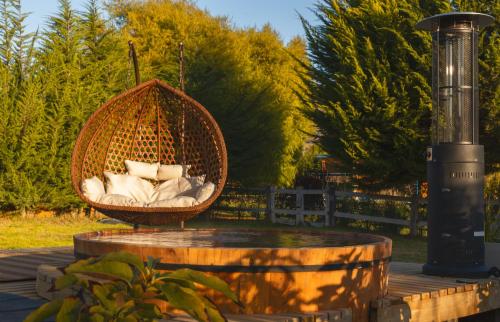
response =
{"points": [[354, 288], [323, 289]]}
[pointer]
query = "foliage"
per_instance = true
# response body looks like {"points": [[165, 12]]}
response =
{"points": [[119, 287], [245, 77], [369, 88], [489, 80], [47, 93], [22, 127], [492, 207], [52, 80]]}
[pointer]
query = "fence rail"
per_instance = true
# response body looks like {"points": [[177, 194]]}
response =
{"points": [[296, 206]]}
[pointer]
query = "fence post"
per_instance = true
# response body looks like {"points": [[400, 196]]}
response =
{"points": [[414, 215], [332, 204], [299, 217], [271, 191]]}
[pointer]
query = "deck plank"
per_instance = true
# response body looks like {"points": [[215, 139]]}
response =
{"points": [[21, 264], [411, 296]]}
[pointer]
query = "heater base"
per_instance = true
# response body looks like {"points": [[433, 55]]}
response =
{"points": [[456, 271]]}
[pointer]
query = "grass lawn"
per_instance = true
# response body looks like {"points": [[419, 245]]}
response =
{"points": [[18, 232]]}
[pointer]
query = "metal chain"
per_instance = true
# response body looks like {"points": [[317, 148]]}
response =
{"points": [[181, 66], [129, 69], [181, 85]]}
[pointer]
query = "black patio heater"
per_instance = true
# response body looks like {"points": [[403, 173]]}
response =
{"points": [[455, 161]]}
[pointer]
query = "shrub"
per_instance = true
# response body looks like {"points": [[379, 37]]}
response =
{"points": [[492, 208], [119, 287]]}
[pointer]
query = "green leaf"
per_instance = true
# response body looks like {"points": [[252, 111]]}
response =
{"points": [[111, 269], [149, 311], [137, 290], [70, 310], [45, 311], [185, 299], [152, 262], [209, 281], [125, 257], [97, 318], [182, 282], [65, 281], [100, 310], [103, 293], [213, 312], [130, 318]]}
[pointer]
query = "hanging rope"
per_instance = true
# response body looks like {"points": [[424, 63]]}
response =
{"points": [[132, 55], [181, 66], [181, 86]]}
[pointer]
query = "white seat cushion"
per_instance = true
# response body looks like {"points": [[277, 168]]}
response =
{"points": [[197, 181], [120, 200], [142, 169], [179, 201], [172, 171], [194, 184], [128, 185], [93, 188], [171, 189], [205, 191]]}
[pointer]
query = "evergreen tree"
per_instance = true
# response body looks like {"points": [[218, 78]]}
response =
{"points": [[22, 125], [369, 86], [47, 93], [244, 77], [81, 70], [489, 80]]}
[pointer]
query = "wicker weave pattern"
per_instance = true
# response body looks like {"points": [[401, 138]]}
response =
{"points": [[144, 124]]}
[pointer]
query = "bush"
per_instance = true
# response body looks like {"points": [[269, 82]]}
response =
{"points": [[492, 209], [119, 287]]}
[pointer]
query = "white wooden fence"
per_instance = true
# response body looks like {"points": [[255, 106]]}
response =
{"points": [[298, 213], [288, 206]]}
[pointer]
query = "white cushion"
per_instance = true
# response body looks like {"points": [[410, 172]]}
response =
{"points": [[120, 200], [172, 171], [171, 188], [131, 186], [204, 192], [179, 201], [197, 181], [93, 188], [194, 183], [142, 169]]}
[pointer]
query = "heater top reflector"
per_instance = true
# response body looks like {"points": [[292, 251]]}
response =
{"points": [[445, 19]]}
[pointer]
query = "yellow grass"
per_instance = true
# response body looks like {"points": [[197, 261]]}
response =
{"points": [[46, 231]]}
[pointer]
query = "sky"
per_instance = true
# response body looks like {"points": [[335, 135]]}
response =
{"points": [[281, 14]]}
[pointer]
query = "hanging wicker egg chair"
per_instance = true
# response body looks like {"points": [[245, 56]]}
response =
{"points": [[151, 122]]}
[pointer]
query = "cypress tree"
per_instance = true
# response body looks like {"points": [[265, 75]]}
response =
{"points": [[369, 86], [22, 124], [489, 80]]}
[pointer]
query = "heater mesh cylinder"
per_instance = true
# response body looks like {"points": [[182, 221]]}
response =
{"points": [[455, 85]]}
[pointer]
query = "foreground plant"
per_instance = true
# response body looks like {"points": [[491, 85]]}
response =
{"points": [[119, 287]]}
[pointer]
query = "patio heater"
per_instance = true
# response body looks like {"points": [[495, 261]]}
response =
{"points": [[455, 161]]}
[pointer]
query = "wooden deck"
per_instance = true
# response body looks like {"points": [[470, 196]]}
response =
{"points": [[412, 295]]}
